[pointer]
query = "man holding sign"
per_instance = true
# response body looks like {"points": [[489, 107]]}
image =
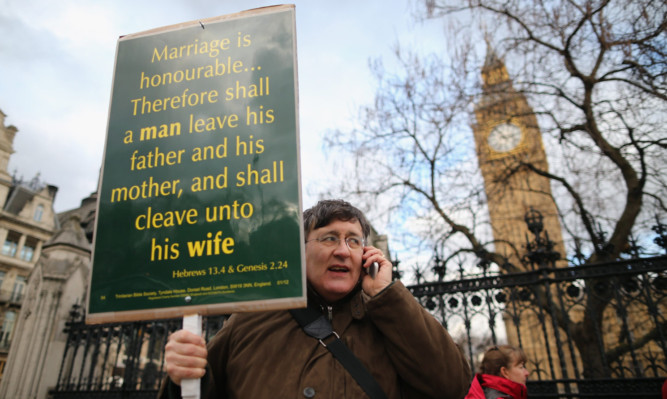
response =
{"points": [[406, 351]]}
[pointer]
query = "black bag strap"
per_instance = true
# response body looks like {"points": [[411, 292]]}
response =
{"points": [[317, 326]]}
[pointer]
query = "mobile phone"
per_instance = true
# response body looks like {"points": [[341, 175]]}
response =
{"points": [[373, 270]]}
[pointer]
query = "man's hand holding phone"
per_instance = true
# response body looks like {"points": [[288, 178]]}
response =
{"points": [[377, 269]]}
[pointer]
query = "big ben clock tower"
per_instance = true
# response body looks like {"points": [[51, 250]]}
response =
{"points": [[508, 139]]}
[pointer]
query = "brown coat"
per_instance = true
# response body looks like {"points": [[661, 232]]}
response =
{"points": [[267, 354]]}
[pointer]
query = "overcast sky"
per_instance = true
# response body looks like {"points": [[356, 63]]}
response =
{"points": [[57, 62]]}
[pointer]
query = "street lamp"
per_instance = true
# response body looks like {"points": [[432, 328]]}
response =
{"points": [[540, 251]]}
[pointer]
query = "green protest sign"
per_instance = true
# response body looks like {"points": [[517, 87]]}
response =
{"points": [[199, 201]]}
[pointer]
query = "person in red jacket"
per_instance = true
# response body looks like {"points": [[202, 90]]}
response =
{"points": [[503, 375]]}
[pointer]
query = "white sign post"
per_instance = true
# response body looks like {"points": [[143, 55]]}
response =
{"points": [[190, 387]]}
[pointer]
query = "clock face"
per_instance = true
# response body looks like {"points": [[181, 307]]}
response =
{"points": [[504, 137]]}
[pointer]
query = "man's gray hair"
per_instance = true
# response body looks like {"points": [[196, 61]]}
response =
{"points": [[327, 211]]}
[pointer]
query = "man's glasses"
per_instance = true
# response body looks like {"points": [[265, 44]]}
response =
{"points": [[330, 240]]}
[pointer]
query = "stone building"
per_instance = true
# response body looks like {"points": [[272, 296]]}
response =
{"points": [[57, 285], [27, 221]]}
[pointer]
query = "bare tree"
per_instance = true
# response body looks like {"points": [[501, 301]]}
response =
{"points": [[414, 154], [595, 73]]}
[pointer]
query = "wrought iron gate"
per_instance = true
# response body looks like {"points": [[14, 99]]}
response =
{"points": [[622, 304], [114, 361], [126, 360]]}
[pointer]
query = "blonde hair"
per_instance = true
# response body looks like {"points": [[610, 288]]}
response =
{"points": [[501, 356]]}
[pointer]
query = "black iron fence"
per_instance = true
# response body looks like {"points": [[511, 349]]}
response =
{"points": [[588, 331], [117, 361], [592, 331]]}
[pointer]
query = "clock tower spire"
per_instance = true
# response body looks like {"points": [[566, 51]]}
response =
{"points": [[509, 143]]}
